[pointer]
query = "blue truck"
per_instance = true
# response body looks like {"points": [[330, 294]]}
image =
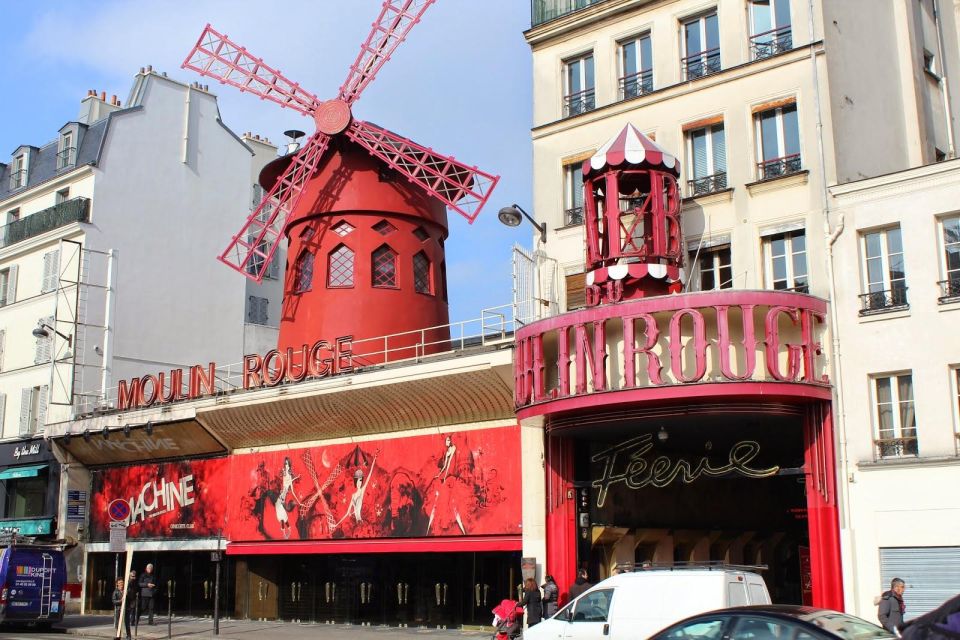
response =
{"points": [[32, 581]]}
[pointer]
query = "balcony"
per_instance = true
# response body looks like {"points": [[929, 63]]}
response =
{"points": [[882, 301], [573, 216], [779, 167], [701, 64], [66, 158], [546, 10], [706, 184], [636, 84], [580, 102], [770, 43], [18, 179], [59, 215], [896, 447], [950, 289]]}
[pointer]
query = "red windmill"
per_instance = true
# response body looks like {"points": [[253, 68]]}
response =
{"points": [[365, 247]]}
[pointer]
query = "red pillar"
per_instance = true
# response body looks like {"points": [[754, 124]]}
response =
{"points": [[561, 513], [822, 511]]}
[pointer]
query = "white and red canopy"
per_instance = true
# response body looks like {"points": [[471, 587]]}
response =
{"points": [[630, 147]]}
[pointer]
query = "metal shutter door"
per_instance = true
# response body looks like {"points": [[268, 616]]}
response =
{"points": [[932, 575]]}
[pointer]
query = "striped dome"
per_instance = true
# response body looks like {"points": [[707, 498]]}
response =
{"points": [[632, 148]]}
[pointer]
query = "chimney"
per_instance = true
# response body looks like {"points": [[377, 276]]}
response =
{"points": [[95, 107]]}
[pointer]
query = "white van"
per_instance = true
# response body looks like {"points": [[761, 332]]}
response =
{"points": [[635, 605]]}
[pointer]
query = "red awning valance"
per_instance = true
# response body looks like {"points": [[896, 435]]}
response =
{"points": [[379, 545]]}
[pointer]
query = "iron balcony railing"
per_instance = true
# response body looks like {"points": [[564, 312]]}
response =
{"points": [[703, 63], [59, 215], [800, 288], [770, 43], [546, 10], [572, 216], [886, 300], [896, 447], [580, 102], [66, 158], [949, 289], [18, 178], [707, 184], [777, 167], [636, 84]]}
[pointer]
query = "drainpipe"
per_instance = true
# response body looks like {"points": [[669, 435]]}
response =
{"points": [[107, 372], [186, 126], [831, 237], [944, 87]]}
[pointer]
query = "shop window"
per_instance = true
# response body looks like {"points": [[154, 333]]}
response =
{"points": [[33, 410], [303, 273], [884, 276], [340, 266], [26, 497], [636, 66], [701, 46], [712, 268], [257, 310], [384, 267], [573, 194], [770, 26], [422, 282], [706, 159], [778, 141], [894, 416], [51, 271], [950, 259], [579, 95], [785, 262]]}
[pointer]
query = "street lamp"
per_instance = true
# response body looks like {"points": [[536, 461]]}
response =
{"points": [[511, 216], [42, 330]]}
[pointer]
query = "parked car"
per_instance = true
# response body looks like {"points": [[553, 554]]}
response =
{"points": [[634, 605], [32, 579], [773, 622]]}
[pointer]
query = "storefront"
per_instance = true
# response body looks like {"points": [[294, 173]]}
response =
{"points": [[31, 488]]}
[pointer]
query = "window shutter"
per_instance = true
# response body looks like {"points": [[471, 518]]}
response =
{"points": [[26, 396], [12, 285], [3, 410], [698, 140], [263, 310], [3, 344], [42, 410], [719, 149], [51, 267], [576, 291], [274, 269], [44, 344], [251, 306]]}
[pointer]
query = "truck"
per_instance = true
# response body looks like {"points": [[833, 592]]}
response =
{"points": [[32, 581]]}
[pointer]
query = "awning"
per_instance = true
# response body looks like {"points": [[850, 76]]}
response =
{"points": [[380, 545], [28, 471]]}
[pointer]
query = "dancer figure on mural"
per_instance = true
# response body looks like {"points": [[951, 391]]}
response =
{"points": [[286, 487], [355, 506], [444, 493]]}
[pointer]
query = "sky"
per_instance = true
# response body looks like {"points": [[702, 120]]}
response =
{"points": [[460, 83]]}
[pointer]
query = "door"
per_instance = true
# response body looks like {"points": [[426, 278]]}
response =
{"points": [[591, 617], [100, 581], [263, 589], [297, 589], [493, 575]]}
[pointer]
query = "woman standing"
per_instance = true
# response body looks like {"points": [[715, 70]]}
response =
{"points": [[532, 602]]}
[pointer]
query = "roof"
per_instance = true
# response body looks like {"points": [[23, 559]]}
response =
{"points": [[631, 148]]}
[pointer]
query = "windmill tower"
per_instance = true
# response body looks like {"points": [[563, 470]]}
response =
{"points": [[363, 209]]}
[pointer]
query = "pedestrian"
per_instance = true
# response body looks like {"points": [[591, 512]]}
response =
{"points": [[891, 608], [131, 594], [532, 602], [117, 600], [148, 588], [551, 594], [580, 585]]}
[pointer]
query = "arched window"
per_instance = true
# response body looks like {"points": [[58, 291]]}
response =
{"points": [[422, 282], [340, 267], [384, 267], [303, 273]]}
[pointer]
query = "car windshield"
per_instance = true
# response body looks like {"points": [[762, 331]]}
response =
{"points": [[846, 626]]}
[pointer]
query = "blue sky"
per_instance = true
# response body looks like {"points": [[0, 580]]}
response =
{"points": [[460, 84]]}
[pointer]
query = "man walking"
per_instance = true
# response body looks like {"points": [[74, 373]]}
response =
{"points": [[148, 587], [580, 585], [891, 609]]}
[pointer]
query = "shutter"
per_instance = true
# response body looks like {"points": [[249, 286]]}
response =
{"points": [[3, 410], [274, 265], [263, 310], [698, 142], [3, 344], [12, 284], [251, 307], [26, 397], [576, 291], [719, 139], [43, 352], [51, 268], [932, 575], [42, 410]]}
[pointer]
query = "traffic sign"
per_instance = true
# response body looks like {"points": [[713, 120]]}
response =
{"points": [[119, 509], [118, 537]]}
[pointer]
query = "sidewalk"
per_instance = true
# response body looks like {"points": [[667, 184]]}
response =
{"points": [[99, 626]]}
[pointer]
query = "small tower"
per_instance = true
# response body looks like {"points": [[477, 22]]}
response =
{"points": [[632, 218]]}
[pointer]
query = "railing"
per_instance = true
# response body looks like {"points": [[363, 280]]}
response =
{"points": [[778, 167], [770, 43], [573, 216], [59, 215], [707, 184], [546, 10], [636, 84], [896, 447], [949, 289], [703, 63], [800, 288], [580, 102], [886, 300], [66, 158], [18, 179]]}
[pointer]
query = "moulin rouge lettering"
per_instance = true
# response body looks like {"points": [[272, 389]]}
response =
{"points": [[626, 462], [157, 498]]}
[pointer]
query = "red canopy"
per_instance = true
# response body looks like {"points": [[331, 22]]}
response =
{"points": [[631, 147]]}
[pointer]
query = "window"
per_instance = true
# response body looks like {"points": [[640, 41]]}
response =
{"points": [[384, 267], [3, 347], [422, 282], [256, 310], [778, 142], [578, 86], [883, 271], [713, 268], [785, 259], [18, 172], [572, 194], [928, 62], [593, 607], [303, 274], [13, 215], [384, 228], [340, 265], [26, 497], [256, 196], [33, 410], [707, 160], [8, 285], [700, 628], [749, 628], [895, 418], [43, 347], [636, 66], [701, 42], [421, 234], [343, 228], [66, 155], [257, 258], [61, 196], [950, 285], [443, 280], [771, 28], [51, 271], [955, 374]]}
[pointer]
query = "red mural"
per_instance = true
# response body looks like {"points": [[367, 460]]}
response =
{"points": [[452, 484]]}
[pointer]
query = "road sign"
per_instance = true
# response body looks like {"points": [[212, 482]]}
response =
{"points": [[118, 537], [119, 509]]}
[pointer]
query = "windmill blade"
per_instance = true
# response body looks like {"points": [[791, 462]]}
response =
{"points": [[251, 250], [463, 188], [216, 56], [396, 19]]}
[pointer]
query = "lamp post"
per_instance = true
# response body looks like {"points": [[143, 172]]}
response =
{"points": [[514, 214]]}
